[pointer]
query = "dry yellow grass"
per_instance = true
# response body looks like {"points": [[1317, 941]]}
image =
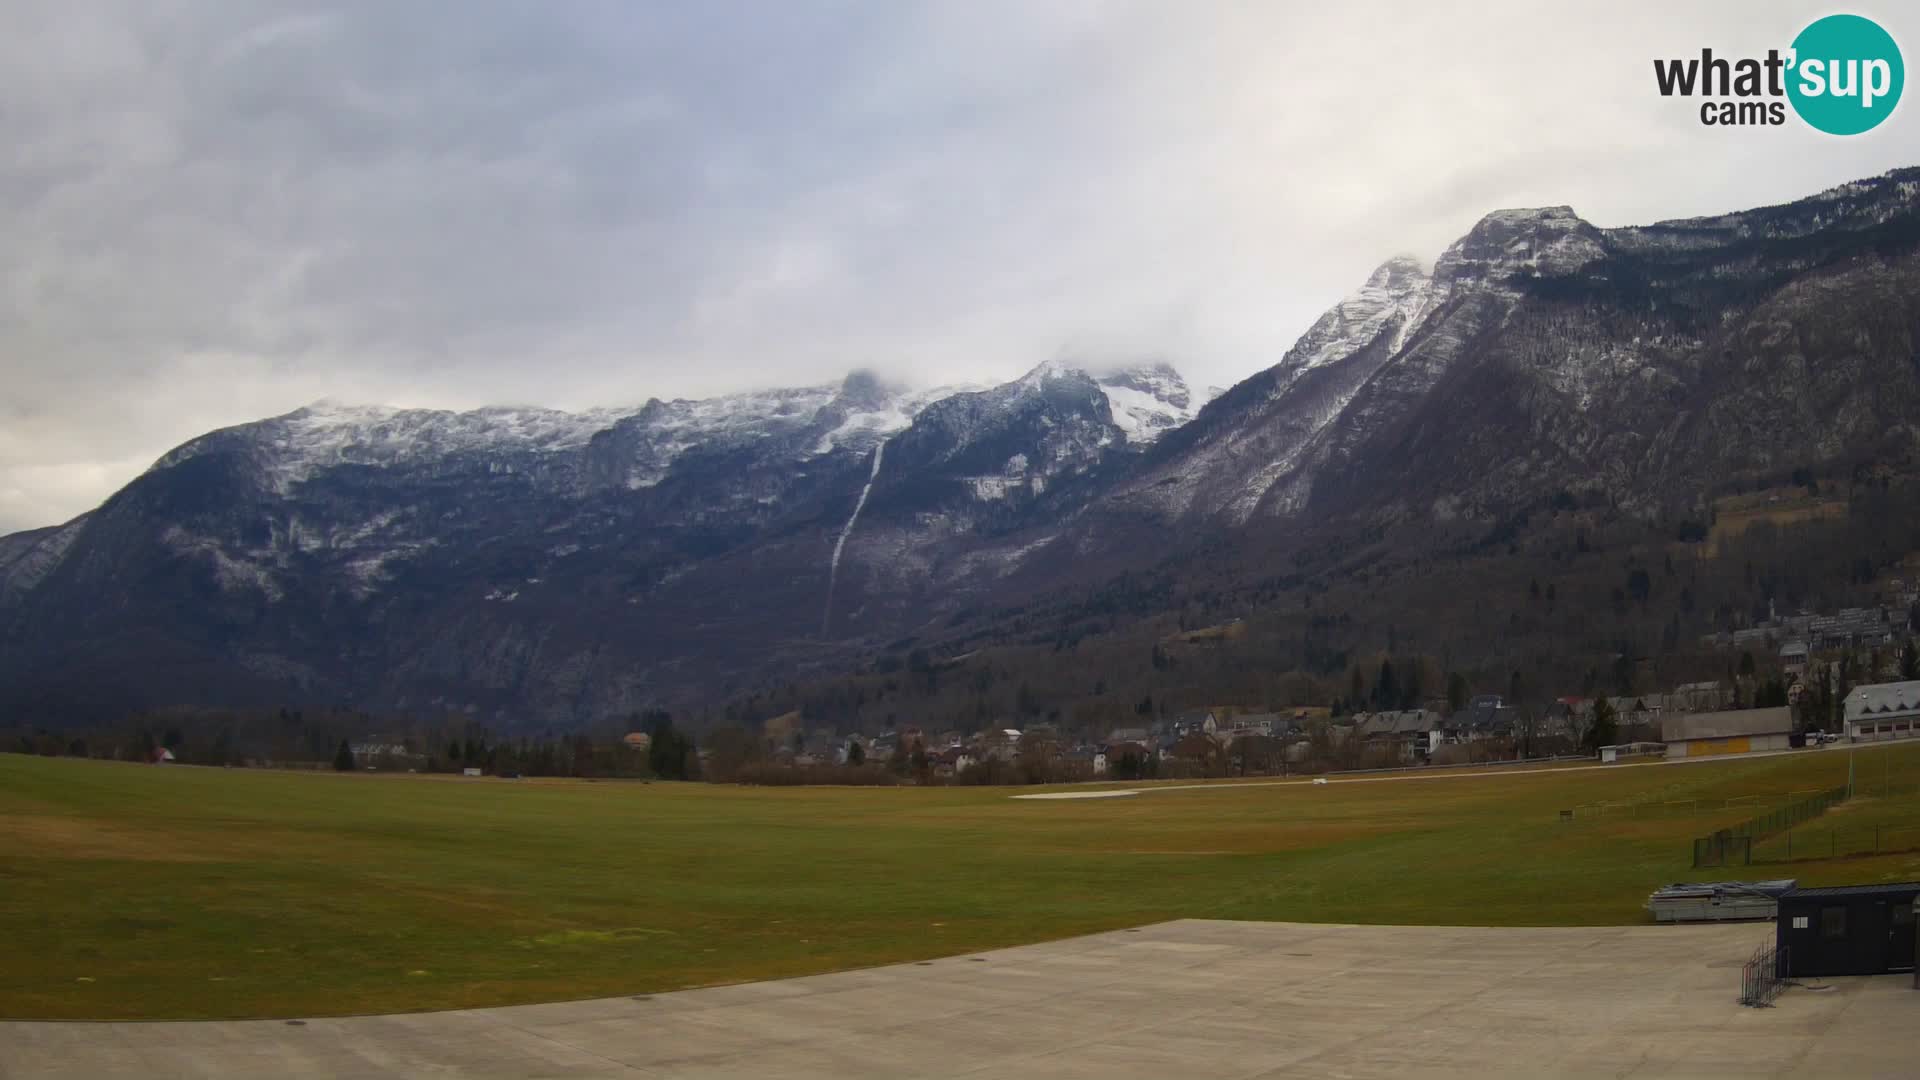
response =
{"points": [[1735, 514]]}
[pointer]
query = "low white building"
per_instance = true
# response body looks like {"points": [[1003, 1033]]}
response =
{"points": [[1737, 731], [1883, 711]]}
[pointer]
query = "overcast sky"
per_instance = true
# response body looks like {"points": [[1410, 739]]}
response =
{"points": [[213, 212]]}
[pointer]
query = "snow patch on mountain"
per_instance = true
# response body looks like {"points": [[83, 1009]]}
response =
{"points": [[833, 565], [864, 428], [27, 558], [1399, 288], [851, 417], [1147, 402], [1271, 439], [1550, 240], [232, 574], [1048, 370], [368, 570], [999, 561], [291, 448]]}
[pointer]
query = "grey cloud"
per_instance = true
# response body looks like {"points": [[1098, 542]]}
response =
{"points": [[216, 211]]}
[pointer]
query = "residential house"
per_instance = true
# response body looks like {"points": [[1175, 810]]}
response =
{"points": [[1116, 755], [372, 753], [1638, 718], [1701, 696], [1198, 747], [1260, 723], [842, 752], [950, 760], [1202, 720], [1289, 730], [1852, 628], [1163, 746], [1418, 731], [1793, 658], [1083, 762], [1565, 718], [1487, 716], [1001, 744], [1410, 731]]}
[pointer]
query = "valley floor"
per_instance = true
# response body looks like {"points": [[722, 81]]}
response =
{"points": [[1187, 998], [140, 893]]}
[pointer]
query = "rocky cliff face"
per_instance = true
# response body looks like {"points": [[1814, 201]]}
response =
{"points": [[1543, 354], [541, 567], [1252, 443], [544, 568]]}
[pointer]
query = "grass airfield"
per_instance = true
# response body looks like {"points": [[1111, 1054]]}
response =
{"points": [[129, 891]]}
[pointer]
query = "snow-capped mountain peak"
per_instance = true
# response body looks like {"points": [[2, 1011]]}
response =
{"points": [[1399, 288], [867, 410], [1505, 243], [1048, 371], [538, 568], [292, 447], [1395, 274], [1146, 400]]}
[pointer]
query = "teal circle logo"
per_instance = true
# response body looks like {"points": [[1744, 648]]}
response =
{"points": [[1846, 76]]}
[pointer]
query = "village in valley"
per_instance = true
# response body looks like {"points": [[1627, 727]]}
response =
{"points": [[1790, 681], [1798, 680]]}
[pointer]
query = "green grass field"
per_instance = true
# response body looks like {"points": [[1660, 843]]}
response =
{"points": [[131, 891], [1881, 816]]}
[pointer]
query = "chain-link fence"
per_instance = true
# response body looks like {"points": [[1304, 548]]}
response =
{"points": [[1722, 849], [1734, 845], [1643, 807], [1800, 844]]}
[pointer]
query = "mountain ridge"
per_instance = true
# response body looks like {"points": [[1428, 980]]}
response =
{"points": [[542, 567]]}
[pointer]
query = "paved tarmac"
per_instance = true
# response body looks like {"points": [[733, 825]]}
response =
{"points": [[1188, 998]]}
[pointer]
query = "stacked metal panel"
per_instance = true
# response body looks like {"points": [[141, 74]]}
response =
{"points": [[1717, 901]]}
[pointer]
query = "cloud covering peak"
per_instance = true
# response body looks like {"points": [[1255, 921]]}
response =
{"points": [[218, 211]]}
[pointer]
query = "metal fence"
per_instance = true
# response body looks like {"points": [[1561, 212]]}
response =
{"points": [[1722, 849], [1719, 848], [1643, 807], [1796, 845], [1763, 976]]}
